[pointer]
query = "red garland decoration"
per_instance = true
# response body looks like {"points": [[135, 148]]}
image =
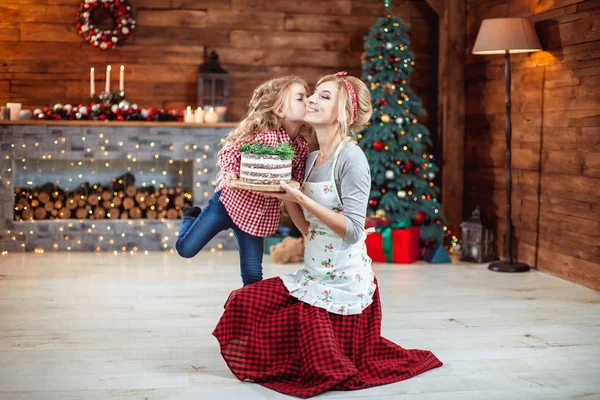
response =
{"points": [[95, 112], [106, 39]]}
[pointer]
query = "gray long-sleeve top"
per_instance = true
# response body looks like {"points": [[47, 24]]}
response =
{"points": [[353, 182]]}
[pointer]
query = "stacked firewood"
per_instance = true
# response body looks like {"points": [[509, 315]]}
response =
{"points": [[119, 200]]}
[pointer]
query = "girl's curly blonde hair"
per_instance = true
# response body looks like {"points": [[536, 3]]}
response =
{"points": [[266, 109]]}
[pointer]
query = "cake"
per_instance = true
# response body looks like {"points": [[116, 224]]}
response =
{"points": [[266, 165]]}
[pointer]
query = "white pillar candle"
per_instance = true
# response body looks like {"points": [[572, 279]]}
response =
{"points": [[107, 85], [92, 83], [199, 115], [15, 110], [211, 117], [188, 116], [221, 111], [122, 79]]}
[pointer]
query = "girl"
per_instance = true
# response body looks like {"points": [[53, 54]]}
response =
{"points": [[275, 115], [320, 328]]}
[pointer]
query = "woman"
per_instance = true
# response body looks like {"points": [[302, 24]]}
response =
{"points": [[320, 328]]}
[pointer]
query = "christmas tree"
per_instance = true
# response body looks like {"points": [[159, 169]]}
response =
{"points": [[395, 143]]}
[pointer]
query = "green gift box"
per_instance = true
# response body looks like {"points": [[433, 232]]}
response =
{"points": [[271, 241]]}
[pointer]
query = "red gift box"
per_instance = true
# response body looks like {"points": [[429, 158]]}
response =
{"points": [[405, 246]]}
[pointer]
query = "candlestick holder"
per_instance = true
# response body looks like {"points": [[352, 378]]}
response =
{"points": [[94, 98], [106, 98], [119, 96]]}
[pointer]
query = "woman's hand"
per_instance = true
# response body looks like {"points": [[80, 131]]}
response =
{"points": [[229, 177], [290, 194]]}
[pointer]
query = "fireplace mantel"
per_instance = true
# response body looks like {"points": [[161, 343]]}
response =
{"points": [[32, 143], [120, 124]]}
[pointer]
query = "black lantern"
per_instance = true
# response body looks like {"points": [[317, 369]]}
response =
{"points": [[478, 241], [213, 84]]}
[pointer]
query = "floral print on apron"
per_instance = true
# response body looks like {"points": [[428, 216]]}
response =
{"points": [[335, 277]]}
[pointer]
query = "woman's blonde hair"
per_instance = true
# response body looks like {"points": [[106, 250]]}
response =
{"points": [[347, 126], [266, 109]]}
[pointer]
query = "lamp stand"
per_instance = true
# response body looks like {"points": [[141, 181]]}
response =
{"points": [[508, 265]]}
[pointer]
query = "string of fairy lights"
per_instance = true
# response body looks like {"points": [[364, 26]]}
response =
{"points": [[106, 230]]}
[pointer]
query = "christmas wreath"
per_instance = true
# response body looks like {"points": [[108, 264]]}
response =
{"points": [[106, 39]]}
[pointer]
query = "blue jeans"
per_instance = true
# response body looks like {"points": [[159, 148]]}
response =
{"points": [[195, 233]]}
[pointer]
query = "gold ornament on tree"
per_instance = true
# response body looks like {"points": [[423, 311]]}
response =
{"points": [[385, 118], [389, 88], [380, 213]]}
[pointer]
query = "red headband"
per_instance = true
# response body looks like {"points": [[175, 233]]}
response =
{"points": [[351, 92]]}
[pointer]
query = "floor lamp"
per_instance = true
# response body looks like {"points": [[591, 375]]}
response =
{"points": [[506, 36]]}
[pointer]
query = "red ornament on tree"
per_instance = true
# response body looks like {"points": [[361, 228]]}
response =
{"points": [[391, 60], [420, 217], [373, 202], [372, 72], [378, 145], [382, 102]]}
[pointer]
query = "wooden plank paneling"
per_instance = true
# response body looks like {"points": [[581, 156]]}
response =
{"points": [[572, 31], [451, 109], [299, 40], [197, 5], [571, 268], [159, 55], [236, 19], [70, 2], [326, 23], [340, 7], [439, 6], [44, 32], [556, 135], [174, 18], [35, 51], [158, 35], [160, 4], [4, 86], [40, 2], [573, 162], [285, 57], [39, 41], [9, 32], [57, 14]]}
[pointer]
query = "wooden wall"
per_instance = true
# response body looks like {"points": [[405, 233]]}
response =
{"points": [[44, 61], [556, 136]]}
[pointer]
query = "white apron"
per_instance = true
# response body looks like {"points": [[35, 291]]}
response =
{"points": [[335, 277]]}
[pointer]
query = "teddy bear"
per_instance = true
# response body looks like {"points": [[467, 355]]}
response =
{"points": [[289, 250]]}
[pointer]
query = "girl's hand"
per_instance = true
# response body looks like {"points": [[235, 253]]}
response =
{"points": [[229, 177], [291, 194]]}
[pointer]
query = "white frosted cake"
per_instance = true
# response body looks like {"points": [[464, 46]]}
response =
{"points": [[265, 169]]}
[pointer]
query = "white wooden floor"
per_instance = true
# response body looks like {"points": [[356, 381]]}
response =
{"points": [[99, 326]]}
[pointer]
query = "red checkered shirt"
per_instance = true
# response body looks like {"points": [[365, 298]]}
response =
{"points": [[254, 213]]}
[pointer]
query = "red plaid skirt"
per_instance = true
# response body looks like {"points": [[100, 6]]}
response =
{"points": [[269, 337]]}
